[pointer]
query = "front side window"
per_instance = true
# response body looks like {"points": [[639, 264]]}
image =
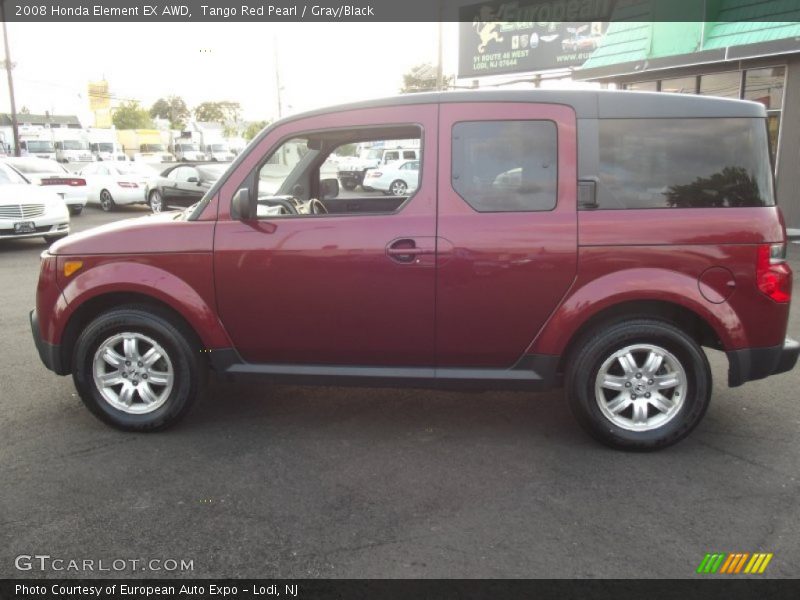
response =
{"points": [[506, 166], [337, 172], [684, 163]]}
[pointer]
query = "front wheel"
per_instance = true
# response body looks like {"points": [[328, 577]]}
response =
{"points": [[639, 384], [136, 369]]}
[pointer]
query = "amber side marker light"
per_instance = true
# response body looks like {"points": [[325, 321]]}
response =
{"points": [[71, 266]]}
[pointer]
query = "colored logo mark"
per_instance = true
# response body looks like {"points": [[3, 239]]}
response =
{"points": [[735, 563]]}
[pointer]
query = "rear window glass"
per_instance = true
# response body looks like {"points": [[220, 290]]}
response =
{"points": [[506, 166], [684, 163]]}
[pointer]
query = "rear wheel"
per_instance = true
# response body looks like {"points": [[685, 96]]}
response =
{"points": [[155, 201], [398, 188], [348, 184], [136, 369], [106, 201], [76, 209], [639, 384]]}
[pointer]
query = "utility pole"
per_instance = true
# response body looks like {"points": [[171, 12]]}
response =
{"points": [[277, 75], [439, 73], [9, 66]]}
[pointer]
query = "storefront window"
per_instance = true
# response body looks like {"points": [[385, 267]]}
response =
{"points": [[725, 85], [680, 85], [773, 125], [765, 86], [643, 86]]}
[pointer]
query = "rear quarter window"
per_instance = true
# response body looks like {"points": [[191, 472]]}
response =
{"points": [[684, 163]]}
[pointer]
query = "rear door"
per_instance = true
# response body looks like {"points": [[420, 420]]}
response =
{"points": [[507, 227]]}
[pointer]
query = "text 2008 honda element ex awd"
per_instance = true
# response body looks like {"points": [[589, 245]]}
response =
{"points": [[591, 239]]}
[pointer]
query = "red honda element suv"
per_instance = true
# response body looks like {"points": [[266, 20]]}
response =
{"points": [[594, 240]]}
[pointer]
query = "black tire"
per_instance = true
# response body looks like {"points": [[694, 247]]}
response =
{"points": [[155, 201], [106, 201], [398, 188], [189, 369], [75, 210], [599, 345], [49, 239], [348, 184]]}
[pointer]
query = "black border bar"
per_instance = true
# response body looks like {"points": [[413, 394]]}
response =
{"points": [[366, 11], [701, 588]]}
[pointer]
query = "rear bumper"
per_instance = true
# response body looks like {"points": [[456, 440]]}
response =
{"points": [[50, 354], [750, 364]]}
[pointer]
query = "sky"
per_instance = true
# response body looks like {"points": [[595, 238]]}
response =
{"points": [[320, 64]]}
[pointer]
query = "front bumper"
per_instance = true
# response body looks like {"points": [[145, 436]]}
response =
{"points": [[49, 353], [750, 364]]}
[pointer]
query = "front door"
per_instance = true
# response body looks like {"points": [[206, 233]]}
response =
{"points": [[344, 288], [507, 227]]}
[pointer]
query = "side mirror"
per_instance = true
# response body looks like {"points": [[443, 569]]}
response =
{"points": [[243, 205], [329, 188], [192, 180]]}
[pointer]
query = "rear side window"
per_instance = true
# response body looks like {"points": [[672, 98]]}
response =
{"points": [[684, 163], [506, 166]]}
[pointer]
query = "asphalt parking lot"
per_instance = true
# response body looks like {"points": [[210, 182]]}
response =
{"points": [[280, 481]]}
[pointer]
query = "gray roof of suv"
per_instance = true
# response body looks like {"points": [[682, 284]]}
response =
{"points": [[588, 104]]}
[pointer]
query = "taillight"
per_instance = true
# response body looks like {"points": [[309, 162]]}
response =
{"points": [[127, 184], [64, 181], [374, 174], [773, 275]]}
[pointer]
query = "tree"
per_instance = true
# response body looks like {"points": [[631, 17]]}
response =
{"points": [[253, 128], [347, 150], [172, 108], [130, 115], [224, 112], [24, 110], [422, 78]]}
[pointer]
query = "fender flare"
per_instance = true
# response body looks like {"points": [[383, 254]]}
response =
{"points": [[146, 280], [631, 285]]}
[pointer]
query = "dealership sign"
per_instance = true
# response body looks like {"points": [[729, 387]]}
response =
{"points": [[515, 37]]}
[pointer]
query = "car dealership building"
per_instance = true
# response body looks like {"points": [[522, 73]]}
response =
{"points": [[735, 49]]}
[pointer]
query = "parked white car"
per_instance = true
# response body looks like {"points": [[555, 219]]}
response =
{"points": [[116, 184], [44, 172], [29, 210], [398, 178]]}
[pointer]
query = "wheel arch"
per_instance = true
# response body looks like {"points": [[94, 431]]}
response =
{"points": [[679, 315]]}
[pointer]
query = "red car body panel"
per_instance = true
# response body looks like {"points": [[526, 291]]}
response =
{"points": [[322, 289], [501, 275]]}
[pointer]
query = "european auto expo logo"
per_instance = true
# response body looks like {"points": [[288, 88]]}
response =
{"points": [[734, 563]]}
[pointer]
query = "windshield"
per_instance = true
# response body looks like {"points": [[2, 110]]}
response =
{"points": [[37, 165], [9, 175], [188, 147], [39, 146], [136, 169], [75, 145], [373, 154], [218, 148], [103, 147], [280, 165], [152, 147]]}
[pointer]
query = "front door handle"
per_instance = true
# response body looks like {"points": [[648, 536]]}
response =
{"points": [[406, 251]]}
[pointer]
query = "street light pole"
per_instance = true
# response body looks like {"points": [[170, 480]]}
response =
{"points": [[9, 66], [277, 75]]}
